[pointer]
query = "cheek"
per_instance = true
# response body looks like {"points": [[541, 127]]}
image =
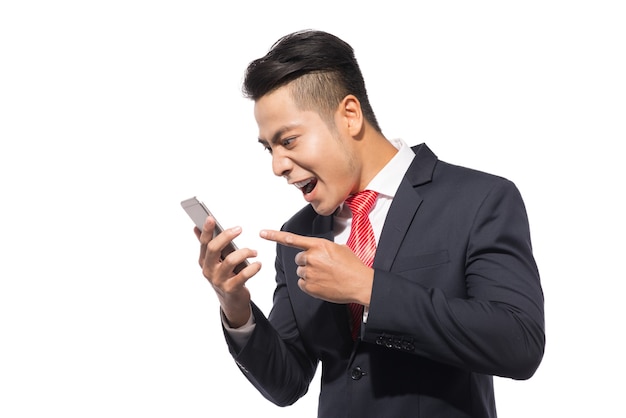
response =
{"points": [[339, 171], [330, 159]]}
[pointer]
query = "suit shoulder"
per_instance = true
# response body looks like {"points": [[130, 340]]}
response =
{"points": [[445, 171], [463, 184], [429, 171]]}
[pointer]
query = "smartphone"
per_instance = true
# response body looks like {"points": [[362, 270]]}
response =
{"points": [[198, 213]]}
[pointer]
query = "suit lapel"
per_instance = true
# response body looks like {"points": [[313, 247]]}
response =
{"points": [[323, 227], [404, 207], [401, 213]]}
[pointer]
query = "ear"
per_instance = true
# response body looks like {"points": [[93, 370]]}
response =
{"points": [[351, 115]]}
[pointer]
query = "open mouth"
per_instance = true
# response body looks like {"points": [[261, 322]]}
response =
{"points": [[307, 185]]}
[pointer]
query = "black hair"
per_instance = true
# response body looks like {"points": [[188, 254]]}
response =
{"points": [[323, 68]]}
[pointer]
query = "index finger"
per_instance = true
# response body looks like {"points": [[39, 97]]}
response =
{"points": [[289, 239]]}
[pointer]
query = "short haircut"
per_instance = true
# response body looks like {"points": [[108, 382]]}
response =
{"points": [[321, 68]]}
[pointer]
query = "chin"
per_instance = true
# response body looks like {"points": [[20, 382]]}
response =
{"points": [[323, 211]]}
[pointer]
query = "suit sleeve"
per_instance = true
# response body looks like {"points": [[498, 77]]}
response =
{"points": [[274, 359], [498, 328]]}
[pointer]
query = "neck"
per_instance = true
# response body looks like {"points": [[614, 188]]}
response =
{"points": [[375, 152]]}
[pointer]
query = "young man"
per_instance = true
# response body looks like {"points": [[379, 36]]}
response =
{"points": [[452, 295]]}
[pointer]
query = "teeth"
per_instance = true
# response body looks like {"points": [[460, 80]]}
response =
{"points": [[301, 184]]}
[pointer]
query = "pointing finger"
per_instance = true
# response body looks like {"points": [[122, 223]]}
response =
{"points": [[289, 239]]}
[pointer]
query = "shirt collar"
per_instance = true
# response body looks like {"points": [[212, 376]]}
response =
{"points": [[387, 181]]}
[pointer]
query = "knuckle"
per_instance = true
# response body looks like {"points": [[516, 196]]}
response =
{"points": [[212, 246]]}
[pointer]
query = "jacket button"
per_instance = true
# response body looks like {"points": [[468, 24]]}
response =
{"points": [[357, 373]]}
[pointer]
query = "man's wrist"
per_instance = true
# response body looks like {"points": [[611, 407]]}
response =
{"points": [[237, 321]]}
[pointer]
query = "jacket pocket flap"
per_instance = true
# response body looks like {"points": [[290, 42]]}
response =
{"points": [[421, 260]]}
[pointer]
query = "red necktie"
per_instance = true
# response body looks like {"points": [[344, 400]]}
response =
{"points": [[362, 242]]}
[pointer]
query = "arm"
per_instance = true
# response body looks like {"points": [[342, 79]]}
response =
{"points": [[274, 359], [498, 326]]}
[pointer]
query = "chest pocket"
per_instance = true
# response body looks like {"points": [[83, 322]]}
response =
{"points": [[418, 261]]}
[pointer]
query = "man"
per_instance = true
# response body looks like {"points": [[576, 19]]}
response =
{"points": [[452, 296]]}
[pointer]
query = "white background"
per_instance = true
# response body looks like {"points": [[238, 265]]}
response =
{"points": [[113, 112]]}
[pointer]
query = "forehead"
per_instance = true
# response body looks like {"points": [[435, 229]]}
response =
{"points": [[275, 102]]}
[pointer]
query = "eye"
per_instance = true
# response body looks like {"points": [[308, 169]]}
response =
{"points": [[288, 141]]}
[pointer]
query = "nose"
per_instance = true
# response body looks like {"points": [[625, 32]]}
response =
{"points": [[281, 165]]}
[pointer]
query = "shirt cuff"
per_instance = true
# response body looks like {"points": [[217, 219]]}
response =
{"points": [[241, 335]]}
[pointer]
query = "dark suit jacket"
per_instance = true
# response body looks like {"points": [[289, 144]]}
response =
{"points": [[456, 299]]}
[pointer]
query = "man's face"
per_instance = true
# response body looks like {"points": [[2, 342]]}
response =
{"points": [[319, 160]]}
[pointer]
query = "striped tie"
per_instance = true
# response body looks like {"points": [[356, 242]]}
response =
{"points": [[362, 242]]}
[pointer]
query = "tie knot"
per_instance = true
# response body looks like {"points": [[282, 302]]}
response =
{"points": [[362, 202]]}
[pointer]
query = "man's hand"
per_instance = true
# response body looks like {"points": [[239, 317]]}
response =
{"points": [[233, 295], [327, 271]]}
